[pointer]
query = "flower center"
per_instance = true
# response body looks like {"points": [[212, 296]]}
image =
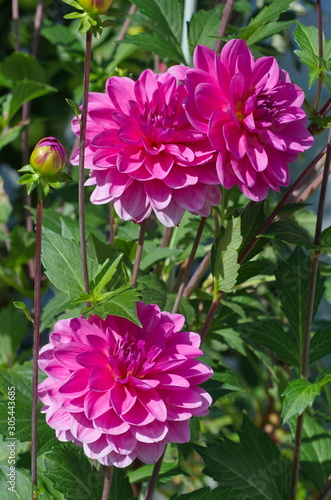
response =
{"points": [[127, 358]]}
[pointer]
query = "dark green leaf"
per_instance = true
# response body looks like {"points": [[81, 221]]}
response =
{"points": [[27, 91], [274, 337], [104, 274], [307, 39], [251, 221], [71, 473], [218, 493], [254, 33], [299, 395], [292, 280], [254, 467], [315, 458], [290, 232], [326, 238], [320, 345], [154, 291], [153, 257], [12, 332], [120, 486], [152, 42], [55, 306], [143, 474], [20, 66], [254, 268]]}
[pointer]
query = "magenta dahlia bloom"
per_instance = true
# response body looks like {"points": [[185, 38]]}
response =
{"points": [[251, 112], [122, 391], [143, 153]]}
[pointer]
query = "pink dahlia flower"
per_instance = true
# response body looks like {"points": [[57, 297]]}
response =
{"points": [[143, 153], [122, 391], [251, 112]]}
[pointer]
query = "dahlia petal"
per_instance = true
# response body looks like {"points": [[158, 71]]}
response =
{"points": [[120, 461], [190, 399], [206, 402], [230, 53], [98, 449], [151, 433], [138, 415], [150, 453], [57, 418], [120, 90], [76, 384], [204, 59], [95, 404], [130, 158], [154, 404], [159, 166], [133, 202], [57, 371], [179, 177], [171, 215], [91, 359], [195, 372], [208, 99], [171, 381], [179, 432], [101, 379], [122, 397], [82, 428], [235, 140], [74, 405], [105, 139], [257, 154], [110, 422], [191, 198]]}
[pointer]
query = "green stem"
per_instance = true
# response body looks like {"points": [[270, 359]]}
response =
{"points": [[36, 347], [139, 252], [87, 68], [154, 478]]}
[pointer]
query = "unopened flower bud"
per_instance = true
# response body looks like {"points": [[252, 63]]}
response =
{"points": [[48, 157], [95, 6]]}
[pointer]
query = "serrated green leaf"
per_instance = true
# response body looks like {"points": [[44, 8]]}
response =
{"points": [[315, 457], [167, 14], [62, 38], [254, 33], [271, 12], [326, 237], [307, 39], [251, 269], [298, 395], [154, 290], [290, 232], [274, 337], [121, 303], [292, 281], [104, 275], [20, 487], [320, 345], [62, 261], [158, 255], [245, 466], [324, 377], [153, 42], [20, 66], [313, 75], [72, 474], [226, 256], [203, 27], [251, 220]]}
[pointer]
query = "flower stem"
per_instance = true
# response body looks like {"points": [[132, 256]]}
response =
{"points": [[154, 478], [16, 20], [107, 482], [36, 346], [189, 265], [87, 67], [197, 275], [304, 365], [254, 240], [139, 252], [224, 23], [164, 243]]}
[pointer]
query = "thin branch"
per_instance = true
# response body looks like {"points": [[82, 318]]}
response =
{"points": [[197, 275], [304, 365], [326, 493], [227, 11], [36, 347], [189, 265], [111, 225], [37, 26], [164, 243], [107, 482], [126, 23], [154, 478], [305, 184], [139, 252], [16, 23], [87, 68]]}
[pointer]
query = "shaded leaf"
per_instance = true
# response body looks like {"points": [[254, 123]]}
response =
{"points": [[225, 258], [153, 42], [320, 345], [203, 27]]}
